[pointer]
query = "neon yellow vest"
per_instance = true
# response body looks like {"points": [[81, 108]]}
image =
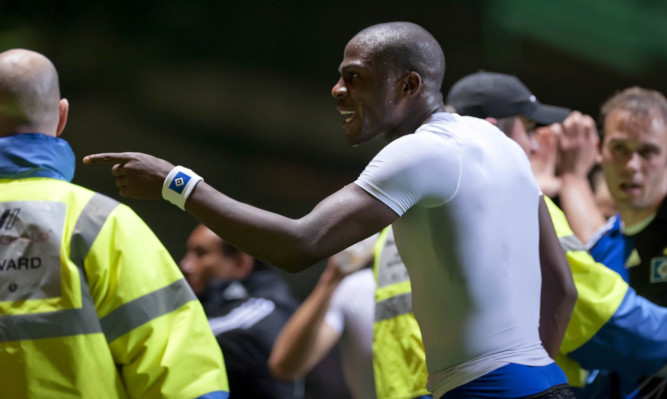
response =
{"points": [[81, 277], [399, 365]]}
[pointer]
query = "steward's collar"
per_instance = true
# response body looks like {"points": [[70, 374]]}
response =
{"points": [[35, 155]]}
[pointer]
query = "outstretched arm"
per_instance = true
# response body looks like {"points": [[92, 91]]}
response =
{"points": [[340, 220], [558, 291]]}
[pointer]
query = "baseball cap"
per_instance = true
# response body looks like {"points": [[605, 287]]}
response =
{"points": [[497, 95]]}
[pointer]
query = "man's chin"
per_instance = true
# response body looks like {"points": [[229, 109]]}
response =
{"points": [[357, 140], [357, 137]]}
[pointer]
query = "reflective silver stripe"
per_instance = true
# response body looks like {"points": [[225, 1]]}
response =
{"points": [[571, 243], [394, 306], [88, 226], [66, 322], [133, 314], [50, 325], [391, 269]]}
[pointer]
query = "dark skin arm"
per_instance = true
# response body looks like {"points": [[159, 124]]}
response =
{"points": [[340, 220], [558, 291]]}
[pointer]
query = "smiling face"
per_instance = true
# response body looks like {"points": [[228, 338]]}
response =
{"points": [[634, 159], [366, 94]]}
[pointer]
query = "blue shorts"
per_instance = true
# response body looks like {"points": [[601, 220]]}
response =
{"points": [[511, 381]]}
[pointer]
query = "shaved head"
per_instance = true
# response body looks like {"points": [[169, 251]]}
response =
{"points": [[406, 47], [29, 94]]}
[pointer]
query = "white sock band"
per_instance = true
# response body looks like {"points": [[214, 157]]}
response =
{"points": [[178, 185]]}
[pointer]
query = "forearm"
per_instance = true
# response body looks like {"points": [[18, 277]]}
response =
{"points": [[578, 203], [554, 316], [273, 238], [342, 219], [306, 338], [559, 293]]}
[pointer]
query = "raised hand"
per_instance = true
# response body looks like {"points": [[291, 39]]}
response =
{"points": [[355, 257], [544, 160], [138, 175], [578, 145]]}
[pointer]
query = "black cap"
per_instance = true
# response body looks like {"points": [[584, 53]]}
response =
{"points": [[496, 95]]}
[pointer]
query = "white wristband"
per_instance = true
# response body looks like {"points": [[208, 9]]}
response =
{"points": [[178, 185]]}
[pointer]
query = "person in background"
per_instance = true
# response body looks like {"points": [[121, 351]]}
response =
{"points": [[247, 304], [612, 328], [91, 303], [339, 310], [633, 242]]}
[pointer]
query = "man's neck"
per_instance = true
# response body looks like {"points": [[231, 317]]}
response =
{"points": [[635, 220], [410, 125]]}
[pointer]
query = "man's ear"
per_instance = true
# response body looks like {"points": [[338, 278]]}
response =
{"points": [[411, 83], [62, 119], [492, 121]]}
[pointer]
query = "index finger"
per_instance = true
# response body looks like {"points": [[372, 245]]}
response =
{"points": [[106, 158]]}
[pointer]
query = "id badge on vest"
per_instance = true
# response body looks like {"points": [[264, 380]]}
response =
{"points": [[30, 237]]}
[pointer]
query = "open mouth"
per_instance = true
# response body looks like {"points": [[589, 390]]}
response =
{"points": [[630, 187], [349, 115]]}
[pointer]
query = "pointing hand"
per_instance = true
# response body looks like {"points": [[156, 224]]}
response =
{"points": [[138, 175]]}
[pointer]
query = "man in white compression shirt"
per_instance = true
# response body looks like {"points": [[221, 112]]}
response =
{"points": [[469, 220], [458, 237]]}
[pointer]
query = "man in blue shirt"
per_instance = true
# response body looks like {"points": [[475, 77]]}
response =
{"points": [[634, 243]]}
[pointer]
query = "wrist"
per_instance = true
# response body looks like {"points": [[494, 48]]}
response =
{"points": [[569, 177], [179, 184]]}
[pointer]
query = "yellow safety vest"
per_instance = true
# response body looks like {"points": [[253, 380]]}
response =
{"points": [[92, 305], [399, 364]]}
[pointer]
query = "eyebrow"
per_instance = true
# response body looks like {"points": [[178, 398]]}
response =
{"points": [[642, 145], [350, 66]]}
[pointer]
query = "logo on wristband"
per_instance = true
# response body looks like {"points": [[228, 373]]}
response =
{"points": [[179, 182]]}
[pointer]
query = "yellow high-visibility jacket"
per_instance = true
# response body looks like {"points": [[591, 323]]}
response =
{"points": [[399, 364], [91, 303]]}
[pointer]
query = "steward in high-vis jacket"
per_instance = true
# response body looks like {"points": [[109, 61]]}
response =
{"points": [[91, 303], [611, 327], [399, 364]]}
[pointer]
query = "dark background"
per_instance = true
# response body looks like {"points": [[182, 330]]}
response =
{"points": [[240, 91]]}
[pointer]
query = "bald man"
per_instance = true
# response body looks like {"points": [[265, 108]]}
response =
{"points": [[467, 214], [91, 303]]}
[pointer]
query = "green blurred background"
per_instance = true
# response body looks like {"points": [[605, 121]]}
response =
{"points": [[240, 91]]}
